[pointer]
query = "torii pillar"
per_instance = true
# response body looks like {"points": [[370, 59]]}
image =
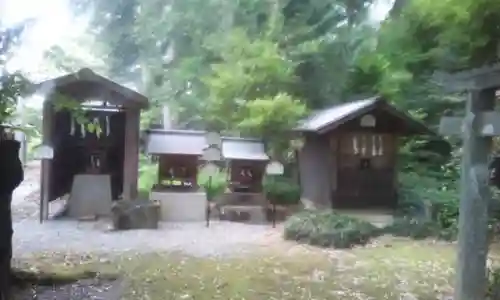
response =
{"points": [[477, 128]]}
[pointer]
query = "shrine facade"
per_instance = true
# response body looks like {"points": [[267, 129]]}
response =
{"points": [[105, 142], [179, 155], [348, 159]]}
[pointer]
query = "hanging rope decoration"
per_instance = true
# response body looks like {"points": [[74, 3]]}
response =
{"points": [[380, 145], [94, 126], [108, 129], [72, 130], [82, 130]]}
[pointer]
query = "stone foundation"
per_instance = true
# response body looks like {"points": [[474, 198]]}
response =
{"points": [[135, 215], [181, 207]]}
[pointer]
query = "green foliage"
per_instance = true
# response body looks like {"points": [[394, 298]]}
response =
{"points": [[281, 190], [328, 229], [148, 174], [416, 191], [62, 102], [421, 229], [12, 85], [213, 184], [493, 283], [247, 88]]}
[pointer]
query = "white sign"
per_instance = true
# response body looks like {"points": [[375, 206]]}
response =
{"points": [[44, 152], [213, 139], [212, 154], [275, 168], [368, 121], [210, 169], [297, 143]]}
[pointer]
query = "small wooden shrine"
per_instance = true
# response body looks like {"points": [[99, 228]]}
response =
{"points": [[107, 142], [178, 153], [180, 156], [349, 154], [246, 160]]}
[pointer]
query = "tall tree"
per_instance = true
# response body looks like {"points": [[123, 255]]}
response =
{"points": [[11, 86], [113, 24]]}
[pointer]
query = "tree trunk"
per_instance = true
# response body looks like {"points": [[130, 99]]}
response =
{"points": [[11, 175], [6, 232]]}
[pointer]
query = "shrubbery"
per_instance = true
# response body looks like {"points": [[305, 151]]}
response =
{"points": [[281, 190], [214, 186], [331, 229], [420, 229], [428, 207], [493, 283], [328, 229]]}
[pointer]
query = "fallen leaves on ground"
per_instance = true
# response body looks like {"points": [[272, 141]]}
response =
{"points": [[388, 269]]}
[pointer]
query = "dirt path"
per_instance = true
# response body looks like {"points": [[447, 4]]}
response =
{"points": [[25, 200]]}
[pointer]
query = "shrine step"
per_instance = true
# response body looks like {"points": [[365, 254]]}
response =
{"points": [[243, 213]]}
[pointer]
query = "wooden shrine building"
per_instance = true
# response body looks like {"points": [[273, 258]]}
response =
{"points": [[111, 149], [349, 151], [180, 155]]}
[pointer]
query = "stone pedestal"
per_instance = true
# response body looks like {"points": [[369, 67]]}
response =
{"points": [[135, 214], [181, 207], [90, 196]]}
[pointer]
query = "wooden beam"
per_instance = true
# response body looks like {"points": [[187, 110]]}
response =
{"points": [[471, 280], [486, 124], [487, 77]]}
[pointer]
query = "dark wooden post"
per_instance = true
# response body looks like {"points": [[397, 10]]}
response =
{"points": [[477, 128], [131, 159], [46, 164]]}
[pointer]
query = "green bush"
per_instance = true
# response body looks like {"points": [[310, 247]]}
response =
{"points": [[445, 213], [215, 186], [148, 174], [434, 201], [328, 229], [420, 229], [416, 190], [281, 190], [493, 284]]}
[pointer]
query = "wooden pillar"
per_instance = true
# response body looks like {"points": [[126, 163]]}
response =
{"points": [[131, 157], [46, 164], [477, 128]]}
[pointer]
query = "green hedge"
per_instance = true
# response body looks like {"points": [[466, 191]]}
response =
{"points": [[328, 229], [421, 229], [331, 229], [213, 184], [281, 190]]}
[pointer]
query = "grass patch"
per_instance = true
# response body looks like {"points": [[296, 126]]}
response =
{"points": [[388, 269]]}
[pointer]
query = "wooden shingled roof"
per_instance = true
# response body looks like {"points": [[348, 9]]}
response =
{"points": [[86, 84], [192, 142], [334, 116]]}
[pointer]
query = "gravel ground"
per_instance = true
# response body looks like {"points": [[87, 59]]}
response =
{"points": [[221, 238], [31, 237]]}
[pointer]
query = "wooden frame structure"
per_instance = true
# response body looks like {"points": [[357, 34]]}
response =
{"points": [[348, 157], [480, 123], [246, 160], [118, 103]]}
